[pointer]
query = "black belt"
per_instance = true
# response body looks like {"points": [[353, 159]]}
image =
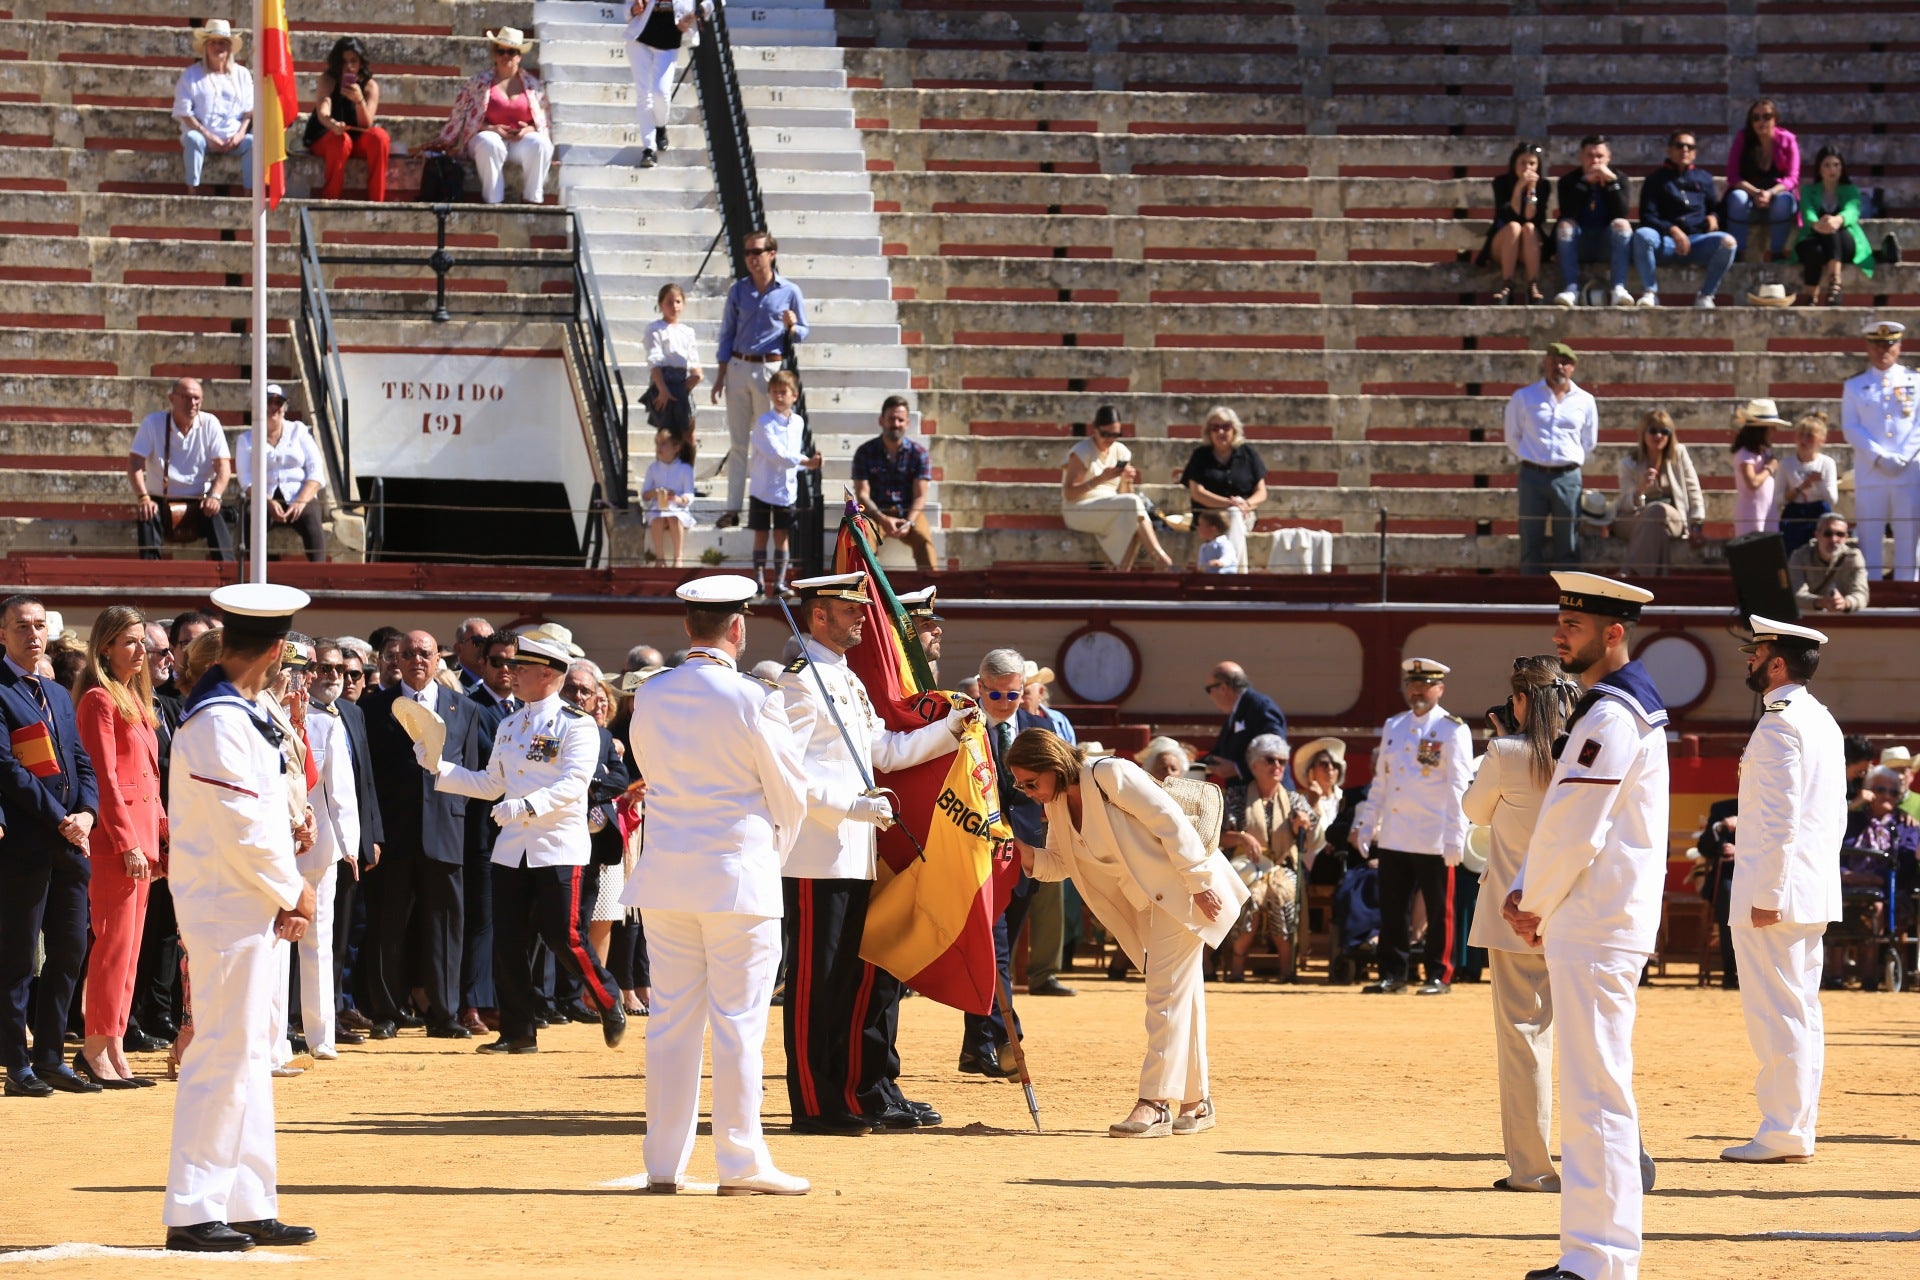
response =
{"points": [[769, 358], [1560, 470]]}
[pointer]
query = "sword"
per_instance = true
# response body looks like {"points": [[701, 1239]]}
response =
{"points": [[841, 725], [1019, 1050]]}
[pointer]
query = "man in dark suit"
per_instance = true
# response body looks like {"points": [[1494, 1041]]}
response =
{"points": [[423, 859], [327, 687], [494, 698], [1249, 713], [47, 805]]}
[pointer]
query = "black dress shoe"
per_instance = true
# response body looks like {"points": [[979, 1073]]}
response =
{"points": [[382, 1030], [348, 1037], [412, 1021], [518, 1044], [986, 1062], [924, 1114], [138, 1041], [613, 1025], [25, 1084], [61, 1077], [208, 1237], [451, 1031], [1554, 1273], [1051, 987], [1434, 987], [577, 1011], [272, 1231], [832, 1126], [86, 1071], [1385, 987], [298, 1043], [894, 1117]]}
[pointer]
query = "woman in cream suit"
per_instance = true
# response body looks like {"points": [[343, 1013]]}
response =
{"points": [[1139, 864]]}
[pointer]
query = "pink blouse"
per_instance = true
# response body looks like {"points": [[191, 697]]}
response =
{"points": [[502, 110], [1786, 159]]}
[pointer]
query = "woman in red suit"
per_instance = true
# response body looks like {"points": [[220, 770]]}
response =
{"points": [[117, 728]]}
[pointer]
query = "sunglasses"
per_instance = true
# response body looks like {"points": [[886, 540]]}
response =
{"points": [[1834, 533], [1219, 426], [1683, 146], [760, 252], [506, 53], [1026, 788], [326, 669], [994, 695], [496, 661], [1891, 792], [1658, 431], [1107, 433], [355, 673], [1273, 760]]}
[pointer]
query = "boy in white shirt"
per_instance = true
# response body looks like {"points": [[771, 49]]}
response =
{"points": [[775, 455], [1216, 553]]}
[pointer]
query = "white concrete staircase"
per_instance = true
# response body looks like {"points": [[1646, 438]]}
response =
{"points": [[645, 227]]}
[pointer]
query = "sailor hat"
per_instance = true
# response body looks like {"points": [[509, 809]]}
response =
{"points": [[919, 605], [1424, 671], [293, 657], [835, 586], [1791, 634], [260, 608], [1884, 331], [730, 591], [535, 650], [1591, 593]]}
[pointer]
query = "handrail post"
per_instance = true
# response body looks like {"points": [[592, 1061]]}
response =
{"points": [[1383, 552], [441, 262]]}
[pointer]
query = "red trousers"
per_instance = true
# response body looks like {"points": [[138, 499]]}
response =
{"points": [[119, 907], [371, 145]]}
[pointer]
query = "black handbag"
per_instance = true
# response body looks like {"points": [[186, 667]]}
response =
{"points": [[442, 180]]}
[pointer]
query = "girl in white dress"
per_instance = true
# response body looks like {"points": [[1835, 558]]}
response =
{"points": [[673, 365], [667, 490]]}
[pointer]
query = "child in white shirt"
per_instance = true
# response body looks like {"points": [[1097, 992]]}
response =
{"points": [[668, 492], [1216, 553], [673, 364], [774, 458]]}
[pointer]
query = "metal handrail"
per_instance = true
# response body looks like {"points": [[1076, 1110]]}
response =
{"points": [[601, 364], [320, 358]]}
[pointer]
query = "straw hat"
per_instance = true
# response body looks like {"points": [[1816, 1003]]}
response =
{"points": [[511, 38], [1037, 674], [215, 29], [1159, 747], [1896, 758], [557, 634], [1303, 755], [1770, 295], [1759, 413]]}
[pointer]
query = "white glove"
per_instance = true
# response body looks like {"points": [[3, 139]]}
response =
{"points": [[877, 810], [961, 716], [508, 809], [1453, 857], [430, 764]]}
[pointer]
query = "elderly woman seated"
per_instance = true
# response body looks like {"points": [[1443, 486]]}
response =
{"points": [[1880, 851], [1163, 758], [501, 115], [213, 101], [1265, 830]]}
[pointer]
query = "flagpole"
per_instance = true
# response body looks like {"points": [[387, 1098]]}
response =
{"points": [[257, 536]]}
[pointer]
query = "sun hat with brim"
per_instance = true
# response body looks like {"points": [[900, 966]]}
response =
{"points": [[1303, 756], [510, 38], [1771, 295], [1158, 747], [1896, 758], [1759, 413], [215, 29]]}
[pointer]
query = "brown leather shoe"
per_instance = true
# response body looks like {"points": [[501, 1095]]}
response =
{"points": [[354, 1020], [470, 1019]]}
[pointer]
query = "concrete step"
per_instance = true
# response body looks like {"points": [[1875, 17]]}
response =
{"points": [[644, 278], [817, 359], [790, 226], [603, 58], [824, 245], [577, 95], [820, 336], [151, 87], [705, 303], [141, 128]]}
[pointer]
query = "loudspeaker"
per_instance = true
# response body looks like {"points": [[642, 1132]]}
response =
{"points": [[1758, 563]]}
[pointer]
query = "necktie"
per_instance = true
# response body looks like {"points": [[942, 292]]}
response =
{"points": [[1003, 737], [39, 696]]}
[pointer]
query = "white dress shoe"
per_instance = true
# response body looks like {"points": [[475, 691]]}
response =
{"points": [[1754, 1153], [771, 1183], [326, 1053]]}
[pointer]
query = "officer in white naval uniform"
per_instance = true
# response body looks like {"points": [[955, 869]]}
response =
{"points": [[544, 756], [838, 1011], [1878, 418], [336, 814], [725, 801], [1412, 823], [1786, 885], [1591, 887], [237, 893]]}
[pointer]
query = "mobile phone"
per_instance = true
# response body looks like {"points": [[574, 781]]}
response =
{"points": [[348, 79]]}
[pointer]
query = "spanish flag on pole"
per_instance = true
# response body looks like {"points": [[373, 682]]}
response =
{"points": [[279, 102], [930, 921]]}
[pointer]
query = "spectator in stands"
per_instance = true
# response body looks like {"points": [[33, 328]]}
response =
{"points": [[1660, 499], [181, 496], [890, 476], [353, 673], [764, 314], [1227, 476], [213, 101], [1830, 236], [1763, 177], [643, 657], [1677, 223], [1263, 831], [501, 115], [1216, 553], [673, 365], [341, 124], [1809, 481], [667, 490], [1828, 575], [1319, 767], [778, 453], [1097, 495], [1519, 231], [1249, 714], [1593, 224], [1163, 758], [1551, 427], [1754, 468], [470, 652], [1882, 835], [295, 474], [655, 31]]}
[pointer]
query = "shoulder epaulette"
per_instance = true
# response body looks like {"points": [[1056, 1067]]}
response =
{"points": [[567, 708], [1781, 705], [771, 684], [1456, 719], [797, 665]]}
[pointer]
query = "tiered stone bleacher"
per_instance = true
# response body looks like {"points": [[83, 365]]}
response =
{"points": [[1276, 206], [113, 281]]}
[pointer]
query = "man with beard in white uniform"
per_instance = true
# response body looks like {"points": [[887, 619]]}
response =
{"points": [[1880, 417], [1786, 885], [725, 801], [236, 892], [1591, 888]]}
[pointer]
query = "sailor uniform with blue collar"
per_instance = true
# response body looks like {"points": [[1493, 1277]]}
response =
{"points": [[1594, 873], [1880, 418]]}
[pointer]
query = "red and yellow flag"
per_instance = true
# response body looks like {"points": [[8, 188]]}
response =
{"points": [[930, 921], [32, 746], [281, 102]]}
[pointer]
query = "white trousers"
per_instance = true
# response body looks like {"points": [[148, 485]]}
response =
{"points": [[1594, 990], [222, 1168], [1523, 1040], [316, 963], [533, 152], [746, 396], [712, 969], [652, 84], [1874, 506], [279, 1048], [1780, 994], [1175, 1069]]}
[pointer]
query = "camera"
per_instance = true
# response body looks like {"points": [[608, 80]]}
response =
{"points": [[1501, 713]]}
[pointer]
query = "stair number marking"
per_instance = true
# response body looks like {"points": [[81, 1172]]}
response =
{"points": [[446, 424]]}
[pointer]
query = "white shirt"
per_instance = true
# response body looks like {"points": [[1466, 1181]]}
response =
{"points": [[1216, 556], [671, 346], [726, 796], [1826, 488], [773, 459], [544, 757], [290, 464], [219, 102], [1549, 432], [336, 808], [1793, 813], [1877, 416], [1420, 771], [189, 459]]}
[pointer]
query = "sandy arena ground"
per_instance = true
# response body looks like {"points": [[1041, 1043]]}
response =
{"points": [[1358, 1138]]}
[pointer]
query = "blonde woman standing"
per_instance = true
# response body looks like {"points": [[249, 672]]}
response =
{"points": [[1660, 500], [1163, 895]]}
